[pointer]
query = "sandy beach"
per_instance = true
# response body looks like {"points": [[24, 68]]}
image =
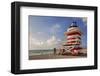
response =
{"points": [[37, 57]]}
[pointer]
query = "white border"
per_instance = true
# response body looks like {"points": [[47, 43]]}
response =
{"points": [[52, 63]]}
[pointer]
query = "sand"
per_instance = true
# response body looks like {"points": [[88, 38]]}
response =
{"points": [[37, 57]]}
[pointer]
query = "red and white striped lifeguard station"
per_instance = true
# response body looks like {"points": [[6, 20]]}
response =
{"points": [[73, 39]]}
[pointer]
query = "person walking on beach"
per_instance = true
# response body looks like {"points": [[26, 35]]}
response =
{"points": [[54, 51]]}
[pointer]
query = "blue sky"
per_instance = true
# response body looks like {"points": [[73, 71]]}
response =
{"points": [[48, 31]]}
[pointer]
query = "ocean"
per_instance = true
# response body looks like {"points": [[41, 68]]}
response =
{"points": [[40, 52]]}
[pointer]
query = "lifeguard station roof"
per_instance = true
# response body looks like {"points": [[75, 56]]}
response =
{"points": [[74, 24]]}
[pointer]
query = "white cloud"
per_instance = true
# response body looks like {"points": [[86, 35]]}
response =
{"points": [[55, 28], [34, 43], [39, 33], [50, 43], [84, 20]]}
